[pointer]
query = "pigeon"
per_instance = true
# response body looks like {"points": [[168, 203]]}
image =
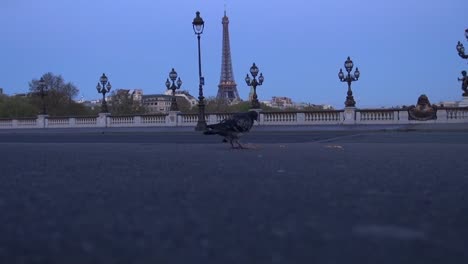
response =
{"points": [[233, 128]]}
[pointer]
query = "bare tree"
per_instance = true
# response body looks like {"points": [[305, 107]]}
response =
{"points": [[60, 94]]}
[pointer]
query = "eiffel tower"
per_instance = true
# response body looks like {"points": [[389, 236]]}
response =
{"points": [[227, 88]]}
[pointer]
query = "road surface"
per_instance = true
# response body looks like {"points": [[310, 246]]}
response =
{"points": [[119, 196]]}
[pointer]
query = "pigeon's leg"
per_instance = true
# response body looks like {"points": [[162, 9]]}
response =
{"points": [[239, 144], [232, 145]]}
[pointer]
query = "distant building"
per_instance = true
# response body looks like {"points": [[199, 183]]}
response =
{"points": [[185, 94], [154, 103], [157, 103], [93, 104], [161, 103], [137, 94], [22, 94], [310, 106], [1, 91], [281, 102], [81, 100], [448, 104]]}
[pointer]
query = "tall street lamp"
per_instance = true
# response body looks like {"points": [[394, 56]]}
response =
{"points": [[198, 25], [349, 79], [43, 93], [105, 88], [464, 79], [254, 83], [173, 87], [461, 49]]}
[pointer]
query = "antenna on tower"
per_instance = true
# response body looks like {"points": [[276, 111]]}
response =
{"points": [[224, 7]]}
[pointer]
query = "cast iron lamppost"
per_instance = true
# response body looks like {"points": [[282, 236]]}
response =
{"points": [[105, 88], [198, 25], [43, 93], [464, 79], [254, 83], [349, 79], [173, 87], [461, 49]]}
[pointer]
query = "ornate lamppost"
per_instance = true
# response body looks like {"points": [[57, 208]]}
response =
{"points": [[464, 79], [461, 49], [43, 93], [254, 83], [349, 79], [173, 87], [198, 26], [105, 88]]}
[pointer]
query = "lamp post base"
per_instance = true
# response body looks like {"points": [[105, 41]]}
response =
{"points": [[201, 126], [201, 123], [255, 105], [350, 101]]}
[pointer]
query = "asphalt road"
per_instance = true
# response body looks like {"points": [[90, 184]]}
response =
{"points": [[181, 197]]}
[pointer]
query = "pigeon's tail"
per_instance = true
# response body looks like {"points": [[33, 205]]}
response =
{"points": [[210, 132]]}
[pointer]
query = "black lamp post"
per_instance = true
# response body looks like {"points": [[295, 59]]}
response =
{"points": [[173, 87], [349, 79], [198, 26], [43, 93], [461, 49], [254, 83], [105, 88]]}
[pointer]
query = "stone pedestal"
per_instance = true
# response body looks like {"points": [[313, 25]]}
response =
{"points": [[463, 102], [42, 121], [171, 118], [349, 116], [211, 119], [403, 117], [300, 117], [102, 119]]}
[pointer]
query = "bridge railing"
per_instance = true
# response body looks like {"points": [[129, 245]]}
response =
{"points": [[377, 116], [455, 115], [323, 117], [28, 122], [329, 117]]}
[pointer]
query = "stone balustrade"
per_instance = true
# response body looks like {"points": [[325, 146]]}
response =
{"points": [[350, 116], [454, 115]]}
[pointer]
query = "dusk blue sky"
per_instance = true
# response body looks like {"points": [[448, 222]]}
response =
{"points": [[403, 48]]}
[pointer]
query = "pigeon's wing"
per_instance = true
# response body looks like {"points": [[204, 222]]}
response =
{"points": [[226, 124], [238, 123], [226, 128], [243, 123]]}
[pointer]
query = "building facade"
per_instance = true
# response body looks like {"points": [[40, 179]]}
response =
{"points": [[281, 102], [156, 103], [186, 95], [161, 103]]}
